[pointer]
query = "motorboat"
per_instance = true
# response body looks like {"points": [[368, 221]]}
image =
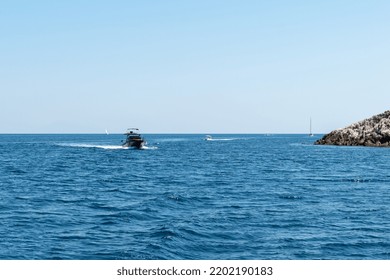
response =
{"points": [[208, 138], [133, 139]]}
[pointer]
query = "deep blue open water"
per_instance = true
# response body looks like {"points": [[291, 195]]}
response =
{"points": [[238, 197]]}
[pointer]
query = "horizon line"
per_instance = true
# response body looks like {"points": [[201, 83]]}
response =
{"points": [[120, 133]]}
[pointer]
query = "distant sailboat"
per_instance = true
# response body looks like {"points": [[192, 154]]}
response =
{"points": [[310, 134], [107, 131]]}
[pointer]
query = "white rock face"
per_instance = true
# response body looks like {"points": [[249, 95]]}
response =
{"points": [[374, 131]]}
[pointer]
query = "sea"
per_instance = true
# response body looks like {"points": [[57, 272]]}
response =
{"points": [[247, 197]]}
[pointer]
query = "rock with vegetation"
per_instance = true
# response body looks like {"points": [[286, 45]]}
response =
{"points": [[374, 131]]}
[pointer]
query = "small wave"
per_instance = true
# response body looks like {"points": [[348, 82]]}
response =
{"points": [[290, 196], [149, 148], [302, 144], [222, 139], [172, 139]]}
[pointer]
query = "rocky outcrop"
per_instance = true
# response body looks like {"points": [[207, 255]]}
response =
{"points": [[374, 131]]}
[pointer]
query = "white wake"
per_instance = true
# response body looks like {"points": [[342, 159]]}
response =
{"points": [[105, 147], [82, 145]]}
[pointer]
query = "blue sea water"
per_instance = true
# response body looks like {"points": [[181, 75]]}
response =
{"points": [[237, 197]]}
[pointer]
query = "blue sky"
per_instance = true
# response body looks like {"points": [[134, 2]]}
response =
{"points": [[192, 66]]}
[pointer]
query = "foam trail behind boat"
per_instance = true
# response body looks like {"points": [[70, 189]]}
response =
{"points": [[83, 145]]}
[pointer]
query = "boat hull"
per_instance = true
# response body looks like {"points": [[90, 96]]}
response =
{"points": [[136, 143]]}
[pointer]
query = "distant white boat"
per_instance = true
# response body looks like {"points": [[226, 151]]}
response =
{"points": [[311, 133], [208, 138], [107, 132]]}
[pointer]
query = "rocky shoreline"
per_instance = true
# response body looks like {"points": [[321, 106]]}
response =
{"points": [[373, 132]]}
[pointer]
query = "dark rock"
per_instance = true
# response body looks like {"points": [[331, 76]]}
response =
{"points": [[374, 131]]}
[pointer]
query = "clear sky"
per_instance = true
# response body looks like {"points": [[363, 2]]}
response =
{"points": [[192, 66]]}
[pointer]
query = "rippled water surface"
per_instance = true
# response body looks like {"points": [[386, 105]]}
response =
{"points": [[237, 197]]}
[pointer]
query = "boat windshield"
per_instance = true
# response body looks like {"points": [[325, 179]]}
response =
{"points": [[132, 131]]}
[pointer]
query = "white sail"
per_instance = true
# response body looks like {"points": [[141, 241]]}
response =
{"points": [[311, 133]]}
